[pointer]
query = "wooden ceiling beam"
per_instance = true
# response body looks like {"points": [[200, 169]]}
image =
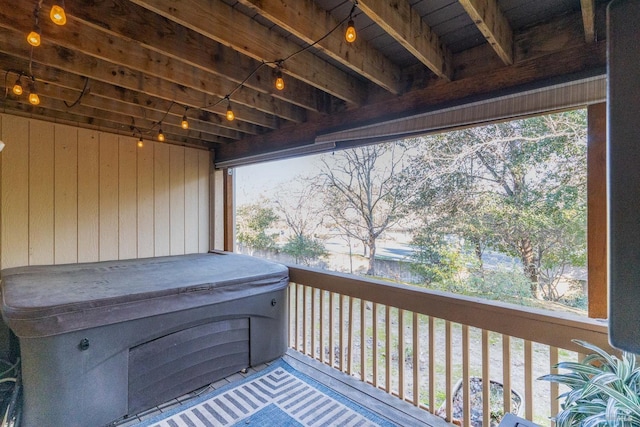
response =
{"points": [[406, 26], [588, 8], [221, 22], [55, 110], [121, 17], [96, 69], [145, 105], [493, 25], [560, 63], [115, 49], [306, 20]]}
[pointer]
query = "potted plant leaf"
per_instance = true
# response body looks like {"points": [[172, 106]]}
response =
{"points": [[604, 390]]}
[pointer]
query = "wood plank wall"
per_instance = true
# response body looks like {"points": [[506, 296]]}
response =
{"points": [[72, 195]]}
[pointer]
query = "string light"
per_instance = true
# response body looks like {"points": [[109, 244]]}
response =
{"points": [[33, 95], [185, 123], [140, 143], [279, 80], [57, 14], [350, 35], [33, 38], [17, 88], [230, 115], [160, 135]]}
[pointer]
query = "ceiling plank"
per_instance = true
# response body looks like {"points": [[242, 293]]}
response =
{"points": [[406, 26], [589, 19], [91, 41], [221, 22], [151, 107], [121, 17], [580, 59], [492, 23], [54, 110], [306, 20], [96, 69]]}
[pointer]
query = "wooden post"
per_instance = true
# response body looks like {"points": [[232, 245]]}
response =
{"points": [[597, 210], [229, 203]]}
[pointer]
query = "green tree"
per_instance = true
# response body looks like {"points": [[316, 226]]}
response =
{"points": [[253, 222], [518, 187], [304, 249]]}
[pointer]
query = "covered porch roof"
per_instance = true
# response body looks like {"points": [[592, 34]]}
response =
{"points": [[135, 67]]}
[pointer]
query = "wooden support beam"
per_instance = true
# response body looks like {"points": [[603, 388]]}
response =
{"points": [[589, 19], [597, 210], [406, 26], [492, 23], [565, 62], [309, 22], [96, 43], [229, 210], [221, 22], [106, 72], [121, 17]]}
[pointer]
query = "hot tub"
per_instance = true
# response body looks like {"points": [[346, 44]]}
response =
{"points": [[102, 340]]}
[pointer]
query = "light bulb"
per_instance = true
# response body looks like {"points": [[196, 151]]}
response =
{"points": [[350, 35], [57, 14], [184, 123], [17, 88], [279, 81], [160, 135], [230, 115], [34, 37], [34, 98], [140, 143]]}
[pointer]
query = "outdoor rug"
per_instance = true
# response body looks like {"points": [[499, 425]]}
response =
{"points": [[279, 395]]}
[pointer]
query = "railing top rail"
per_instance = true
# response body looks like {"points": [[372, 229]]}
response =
{"points": [[543, 326]]}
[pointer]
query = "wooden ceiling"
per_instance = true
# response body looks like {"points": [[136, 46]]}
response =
{"points": [[134, 66]]}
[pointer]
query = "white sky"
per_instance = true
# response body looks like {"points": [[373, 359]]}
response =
{"points": [[263, 179]]}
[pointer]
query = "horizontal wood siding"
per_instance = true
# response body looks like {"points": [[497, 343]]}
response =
{"points": [[73, 195]]}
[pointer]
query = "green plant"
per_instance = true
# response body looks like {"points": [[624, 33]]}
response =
{"points": [[603, 390]]}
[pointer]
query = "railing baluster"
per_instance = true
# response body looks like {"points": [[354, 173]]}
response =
{"points": [[448, 369], [375, 358], [297, 317], [305, 313], [416, 359], [322, 325], [313, 323], [332, 316], [528, 379], [486, 379], [466, 407], [401, 354], [363, 341], [341, 333], [387, 355], [432, 365], [350, 337], [506, 370], [555, 389]]}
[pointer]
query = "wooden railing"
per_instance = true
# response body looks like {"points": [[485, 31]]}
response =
{"points": [[416, 344]]}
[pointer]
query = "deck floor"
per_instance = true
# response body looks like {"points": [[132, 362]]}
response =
{"points": [[377, 401]]}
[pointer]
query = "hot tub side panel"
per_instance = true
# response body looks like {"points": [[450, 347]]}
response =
{"points": [[82, 378]]}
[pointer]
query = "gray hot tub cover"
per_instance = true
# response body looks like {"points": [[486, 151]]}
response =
{"points": [[39, 301]]}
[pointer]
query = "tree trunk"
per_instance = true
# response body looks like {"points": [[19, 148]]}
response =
{"points": [[478, 250], [529, 265], [372, 256]]}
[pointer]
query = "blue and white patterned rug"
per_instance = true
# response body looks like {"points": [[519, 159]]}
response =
{"points": [[277, 396]]}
